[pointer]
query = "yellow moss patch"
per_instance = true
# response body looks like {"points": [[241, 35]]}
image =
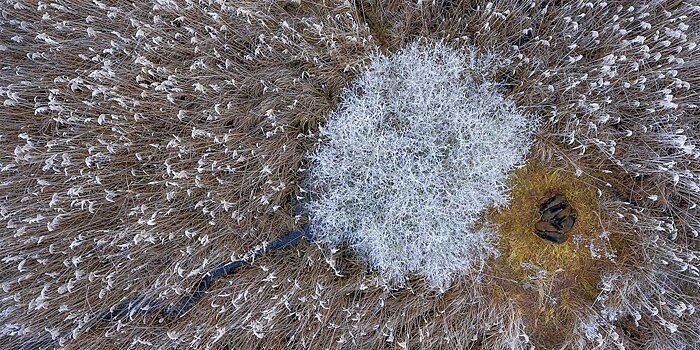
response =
{"points": [[568, 274], [518, 241]]}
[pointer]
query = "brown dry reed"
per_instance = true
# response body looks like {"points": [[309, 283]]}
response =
{"points": [[142, 144]]}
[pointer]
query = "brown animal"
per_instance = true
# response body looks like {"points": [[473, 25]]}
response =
{"points": [[547, 231], [557, 218], [552, 206]]}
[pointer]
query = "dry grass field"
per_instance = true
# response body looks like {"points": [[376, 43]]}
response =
{"points": [[144, 143]]}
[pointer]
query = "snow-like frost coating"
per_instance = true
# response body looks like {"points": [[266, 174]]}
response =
{"points": [[419, 147]]}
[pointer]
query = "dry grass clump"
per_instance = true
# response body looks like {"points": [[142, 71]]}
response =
{"points": [[142, 144]]}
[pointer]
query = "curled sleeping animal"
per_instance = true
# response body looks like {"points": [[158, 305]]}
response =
{"points": [[557, 218]]}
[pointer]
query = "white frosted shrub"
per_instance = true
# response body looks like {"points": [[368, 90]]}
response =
{"points": [[419, 147]]}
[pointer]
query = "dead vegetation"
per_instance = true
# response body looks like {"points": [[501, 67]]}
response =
{"points": [[143, 144]]}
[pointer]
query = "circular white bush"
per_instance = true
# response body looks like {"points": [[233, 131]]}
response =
{"points": [[419, 147]]}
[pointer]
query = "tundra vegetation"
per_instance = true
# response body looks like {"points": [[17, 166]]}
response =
{"points": [[143, 144], [420, 147]]}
